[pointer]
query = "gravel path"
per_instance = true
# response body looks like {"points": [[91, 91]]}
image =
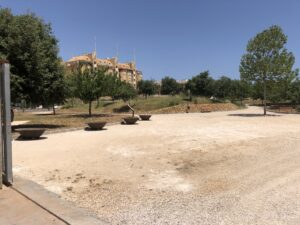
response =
{"points": [[217, 168]]}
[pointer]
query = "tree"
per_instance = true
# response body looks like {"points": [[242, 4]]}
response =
{"points": [[239, 90], [223, 87], [126, 91], [113, 86], [90, 84], [169, 86], [279, 90], [146, 87], [29, 45], [294, 91], [157, 88], [201, 85], [55, 91], [267, 59]]}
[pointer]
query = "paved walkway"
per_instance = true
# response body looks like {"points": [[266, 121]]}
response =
{"points": [[19, 122], [27, 203], [15, 209]]}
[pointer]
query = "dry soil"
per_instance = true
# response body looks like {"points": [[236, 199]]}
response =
{"points": [[233, 167]]}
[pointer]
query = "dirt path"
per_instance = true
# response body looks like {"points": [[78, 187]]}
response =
{"points": [[217, 168]]}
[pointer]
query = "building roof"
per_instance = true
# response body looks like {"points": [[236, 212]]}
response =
{"points": [[80, 58], [104, 62], [124, 66]]}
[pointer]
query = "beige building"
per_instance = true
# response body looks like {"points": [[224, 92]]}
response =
{"points": [[125, 71]]}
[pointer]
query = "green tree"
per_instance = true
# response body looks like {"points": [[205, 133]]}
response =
{"points": [[90, 84], [239, 90], [294, 91], [29, 45], [126, 91], [169, 86], [146, 87], [113, 86], [223, 87], [55, 91], [267, 59], [157, 88], [279, 89], [201, 85]]}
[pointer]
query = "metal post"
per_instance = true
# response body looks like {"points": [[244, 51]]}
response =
{"points": [[1, 139], [6, 130]]}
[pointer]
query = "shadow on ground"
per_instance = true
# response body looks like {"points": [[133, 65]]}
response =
{"points": [[251, 115], [107, 104], [46, 126], [28, 139], [45, 114], [87, 116], [122, 109], [90, 129]]}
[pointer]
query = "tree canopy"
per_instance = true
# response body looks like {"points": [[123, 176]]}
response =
{"points": [[201, 85], [89, 84], [146, 87], [126, 91], [28, 43], [169, 86], [267, 59]]}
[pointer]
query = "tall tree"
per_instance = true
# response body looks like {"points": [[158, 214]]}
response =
{"points": [[223, 87], [201, 85], [146, 87], [294, 91], [126, 91], [55, 90], [267, 59], [113, 86], [90, 84], [31, 48], [169, 86]]}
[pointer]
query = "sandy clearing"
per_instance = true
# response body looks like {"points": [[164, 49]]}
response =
{"points": [[215, 168]]}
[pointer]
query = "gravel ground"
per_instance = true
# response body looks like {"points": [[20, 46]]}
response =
{"points": [[212, 168]]}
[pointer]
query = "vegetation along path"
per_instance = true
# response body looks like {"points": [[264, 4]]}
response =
{"points": [[234, 167]]}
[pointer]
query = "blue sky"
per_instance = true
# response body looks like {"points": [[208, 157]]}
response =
{"points": [[169, 37]]}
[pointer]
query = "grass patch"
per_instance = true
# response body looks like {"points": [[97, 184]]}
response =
{"points": [[140, 104], [74, 112], [63, 119]]}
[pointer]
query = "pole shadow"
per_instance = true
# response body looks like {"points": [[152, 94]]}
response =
{"points": [[252, 115]]}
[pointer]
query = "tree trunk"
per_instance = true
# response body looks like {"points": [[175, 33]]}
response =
{"points": [[265, 98], [53, 109], [90, 108], [132, 109]]}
